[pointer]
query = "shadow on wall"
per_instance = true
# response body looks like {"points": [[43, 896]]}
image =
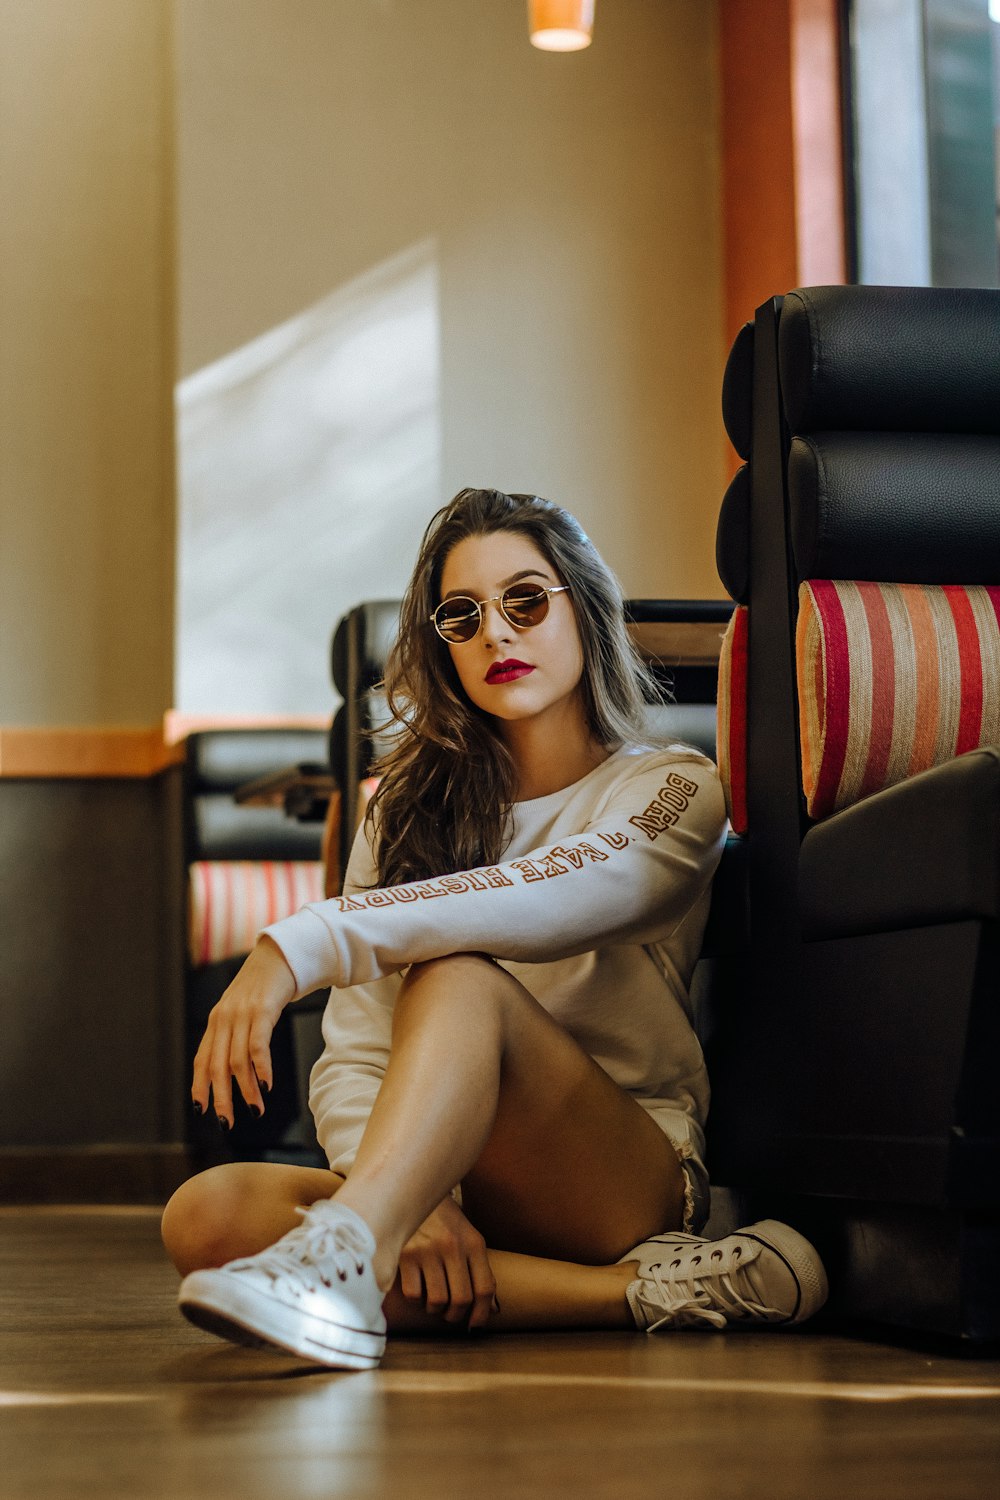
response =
{"points": [[309, 463]]}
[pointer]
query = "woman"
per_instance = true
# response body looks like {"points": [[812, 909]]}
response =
{"points": [[511, 1094]]}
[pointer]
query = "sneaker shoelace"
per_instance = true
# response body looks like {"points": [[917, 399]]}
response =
{"points": [[702, 1288], [307, 1255]]}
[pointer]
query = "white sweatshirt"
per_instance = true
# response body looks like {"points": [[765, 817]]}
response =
{"points": [[598, 909]]}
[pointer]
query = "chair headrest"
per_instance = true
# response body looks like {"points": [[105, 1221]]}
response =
{"points": [[891, 359], [361, 643]]}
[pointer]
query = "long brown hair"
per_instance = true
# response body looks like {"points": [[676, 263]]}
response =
{"points": [[448, 782]]}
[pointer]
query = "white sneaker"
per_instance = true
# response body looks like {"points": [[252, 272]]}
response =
{"points": [[313, 1293], [766, 1273]]}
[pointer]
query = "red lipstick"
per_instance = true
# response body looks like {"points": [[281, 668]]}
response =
{"points": [[508, 671]]}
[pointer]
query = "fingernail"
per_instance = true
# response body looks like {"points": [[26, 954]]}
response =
{"points": [[265, 1087], [197, 1107], [223, 1123], [256, 1111]]}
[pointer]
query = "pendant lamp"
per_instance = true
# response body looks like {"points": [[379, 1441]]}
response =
{"points": [[560, 25]]}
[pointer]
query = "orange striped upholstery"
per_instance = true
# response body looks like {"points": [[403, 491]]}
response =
{"points": [[731, 731], [893, 678], [229, 901]]}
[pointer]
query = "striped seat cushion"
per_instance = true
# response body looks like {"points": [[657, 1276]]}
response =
{"points": [[229, 901], [893, 678], [731, 731]]}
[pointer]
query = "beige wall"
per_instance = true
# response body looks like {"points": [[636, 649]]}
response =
{"points": [[566, 207], [569, 207], [86, 317]]}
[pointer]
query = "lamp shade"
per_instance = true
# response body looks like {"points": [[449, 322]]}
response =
{"points": [[560, 25]]}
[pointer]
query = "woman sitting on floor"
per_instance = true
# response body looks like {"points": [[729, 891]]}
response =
{"points": [[511, 1095]]}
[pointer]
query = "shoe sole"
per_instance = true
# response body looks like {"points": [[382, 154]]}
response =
{"points": [[248, 1317], [802, 1260]]}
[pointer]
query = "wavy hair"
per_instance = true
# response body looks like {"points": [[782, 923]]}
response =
{"points": [[448, 782]]}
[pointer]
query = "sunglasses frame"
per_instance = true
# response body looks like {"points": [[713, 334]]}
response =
{"points": [[497, 599]]}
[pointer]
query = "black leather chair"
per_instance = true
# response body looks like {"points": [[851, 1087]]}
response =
{"points": [[855, 1088], [219, 830], [358, 653]]}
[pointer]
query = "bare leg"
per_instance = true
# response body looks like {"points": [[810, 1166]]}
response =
{"points": [[242, 1208], [559, 1167], [483, 1087]]}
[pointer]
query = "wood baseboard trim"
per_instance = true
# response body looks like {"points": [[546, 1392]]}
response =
{"points": [[92, 1174], [111, 753], [85, 753]]}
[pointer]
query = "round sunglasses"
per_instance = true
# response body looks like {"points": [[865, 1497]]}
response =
{"points": [[523, 604]]}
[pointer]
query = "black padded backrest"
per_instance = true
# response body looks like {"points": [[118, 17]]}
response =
{"points": [[890, 359], [891, 397], [361, 645], [218, 761], [896, 507], [737, 391], [732, 537]]}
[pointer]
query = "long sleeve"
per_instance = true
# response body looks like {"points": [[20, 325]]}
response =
{"points": [[643, 832], [647, 847], [357, 1031]]}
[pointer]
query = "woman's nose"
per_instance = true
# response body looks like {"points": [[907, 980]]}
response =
{"points": [[495, 626]]}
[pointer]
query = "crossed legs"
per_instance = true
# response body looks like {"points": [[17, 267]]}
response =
{"points": [[561, 1171]]}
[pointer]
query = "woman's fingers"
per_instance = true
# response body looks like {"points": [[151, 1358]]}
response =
{"points": [[411, 1282], [436, 1298], [241, 1066], [200, 1082], [459, 1289], [222, 1085], [260, 1055], [446, 1265], [484, 1287], [237, 1038]]}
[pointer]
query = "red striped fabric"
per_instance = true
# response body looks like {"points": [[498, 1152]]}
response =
{"points": [[731, 717], [970, 667], [892, 679], [230, 901]]}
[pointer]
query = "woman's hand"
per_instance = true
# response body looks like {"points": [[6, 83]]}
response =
{"points": [[446, 1267], [237, 1038]]}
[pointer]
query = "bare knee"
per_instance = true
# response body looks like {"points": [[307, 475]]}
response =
{"points": [[461, 991], [459, 976], [205, 1223]]}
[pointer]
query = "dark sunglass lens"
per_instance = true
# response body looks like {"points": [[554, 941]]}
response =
{"points": [[524, 605], [457, 619]]}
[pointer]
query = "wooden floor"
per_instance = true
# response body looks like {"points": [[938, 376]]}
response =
{"points": [[106, 1391]]}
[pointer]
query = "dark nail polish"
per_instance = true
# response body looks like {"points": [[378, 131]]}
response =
{"points": [[265, 1088], [256, 1111], [223, 1123], [197, 1107]]}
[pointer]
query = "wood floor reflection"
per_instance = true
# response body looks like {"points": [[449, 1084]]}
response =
{"points": [[105, 1391]]}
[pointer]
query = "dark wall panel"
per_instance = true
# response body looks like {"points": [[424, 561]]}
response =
{"points": [[90, 963]]}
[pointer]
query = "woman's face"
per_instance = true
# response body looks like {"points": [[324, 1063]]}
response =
{"points": [[514, 674]]}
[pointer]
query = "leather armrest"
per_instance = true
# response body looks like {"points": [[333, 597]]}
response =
{"points": [[920, 853], [302, 791]]}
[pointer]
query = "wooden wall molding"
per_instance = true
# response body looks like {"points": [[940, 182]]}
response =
{"points": [[85, 753], [119, 753]]}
